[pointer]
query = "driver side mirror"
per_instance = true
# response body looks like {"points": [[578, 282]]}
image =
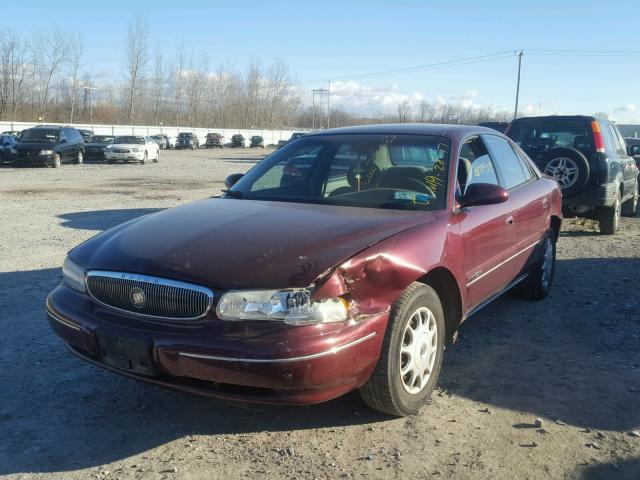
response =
{"points": [[63, 140], [483, 194], [232, 179]]}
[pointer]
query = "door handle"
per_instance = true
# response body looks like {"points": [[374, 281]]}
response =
{"points": [[509, 220]]}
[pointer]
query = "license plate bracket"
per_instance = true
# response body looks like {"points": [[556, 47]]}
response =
{"points": [[128, 354]]}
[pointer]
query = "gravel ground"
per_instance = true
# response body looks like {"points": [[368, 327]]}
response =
{"points": [[571, 361]]}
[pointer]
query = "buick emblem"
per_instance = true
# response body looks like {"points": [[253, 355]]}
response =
{"points": [[138, 298]]}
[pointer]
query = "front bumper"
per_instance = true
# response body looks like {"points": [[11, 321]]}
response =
{"points": [[94, 154], [284, 367], [137, 156], [33, 159], [593, 196]]}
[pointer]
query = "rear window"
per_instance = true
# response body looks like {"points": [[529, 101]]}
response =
{"points": [[185, 135], [536, 136]]}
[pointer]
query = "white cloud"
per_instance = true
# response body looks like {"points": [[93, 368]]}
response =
{"points": [[361, 98], [628, 108]]}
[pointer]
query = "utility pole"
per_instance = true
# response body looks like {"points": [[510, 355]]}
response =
{"points": [[515, 113], [321, 92], [328, 104], [89, 89]]}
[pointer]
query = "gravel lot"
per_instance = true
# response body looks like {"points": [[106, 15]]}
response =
{"points": [[572, 360]]}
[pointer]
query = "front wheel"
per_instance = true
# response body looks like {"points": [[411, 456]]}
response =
{"points": [[79, 158], [411, 355], [157, 159], [57, 162], [610, 217], [144, 158], [630, 207]]}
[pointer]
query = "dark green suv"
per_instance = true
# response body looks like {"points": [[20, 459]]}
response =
{"points": [[588, 158]]}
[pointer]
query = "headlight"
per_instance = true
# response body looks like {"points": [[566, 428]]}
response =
{"points": [[45, 152], [73, 275], [293, 306]]}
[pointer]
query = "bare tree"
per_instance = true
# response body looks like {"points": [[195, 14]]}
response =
{"points": [[49, 53], [136, 60], [158, 86], [76, 52], [404, 112], [178, 81]]}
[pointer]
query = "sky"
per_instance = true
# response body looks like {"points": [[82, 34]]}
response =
{"points": [[342, 41]]}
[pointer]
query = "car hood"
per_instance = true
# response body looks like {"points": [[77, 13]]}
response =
{"points": [[98, 145], [228, 243]]}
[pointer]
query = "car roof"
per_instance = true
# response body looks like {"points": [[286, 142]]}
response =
{"points": [[561, 117], [440, 130]]}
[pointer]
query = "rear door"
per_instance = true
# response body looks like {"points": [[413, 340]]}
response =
{"points": [[487, 230], [65, 145], [530, 202], [627, 163]]}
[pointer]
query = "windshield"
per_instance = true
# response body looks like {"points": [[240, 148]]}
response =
{"points": [[39, 135], [364, 170], [101, 139], [129, 140], [157, 137], [540, 135], [185, 135]]}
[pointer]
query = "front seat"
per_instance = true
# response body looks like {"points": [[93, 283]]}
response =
{"points": [[407, 178]]}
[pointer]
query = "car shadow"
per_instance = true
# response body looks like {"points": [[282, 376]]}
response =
{"points": [[103, 219], [618, 470], [572, 357]]}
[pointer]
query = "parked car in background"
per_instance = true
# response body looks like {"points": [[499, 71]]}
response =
{"points": [[499, 126], [86, 134], [256, 141], [14, 133], [354, 275], [294, 135], [136, 148], [238, 141], [94, 148], [187, 140], [171, 141], [49, 146], [7, 148], [214, 140], [160, 140], [588, 158]]}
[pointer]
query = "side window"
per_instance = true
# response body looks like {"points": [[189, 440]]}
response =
{"points": [[475, 165], [63, 136], [621, 140], [509, 165], [618, 146]]}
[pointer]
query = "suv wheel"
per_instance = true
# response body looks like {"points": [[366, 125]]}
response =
{"points": [[630, 207], [569, 167], [157, 159], [56, 161], [144, 158], [411, 355], [79, 158], [610, 217]]}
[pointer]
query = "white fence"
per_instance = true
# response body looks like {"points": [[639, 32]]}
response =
{"points": [[270, 136]]}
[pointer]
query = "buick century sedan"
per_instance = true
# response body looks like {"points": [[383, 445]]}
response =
{"points": [[345, 260]]}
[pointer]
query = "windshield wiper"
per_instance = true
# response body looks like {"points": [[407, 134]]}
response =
{"points": [[403, 205]]}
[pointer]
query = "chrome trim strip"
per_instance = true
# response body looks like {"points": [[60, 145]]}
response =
{"points": [[151, 280], [332, 351], [503, 262], [61, 320]]}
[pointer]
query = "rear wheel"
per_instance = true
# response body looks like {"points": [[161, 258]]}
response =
{"points": [[569, 168], [610, 217], [411, 355], [630, 207], [538, 284]]}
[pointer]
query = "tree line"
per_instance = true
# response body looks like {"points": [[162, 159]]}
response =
{"points": [[48, 78]]}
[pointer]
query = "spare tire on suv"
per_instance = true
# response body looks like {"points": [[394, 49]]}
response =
{"points": [[569, 167]]}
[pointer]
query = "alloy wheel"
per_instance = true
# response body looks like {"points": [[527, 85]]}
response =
{"points": [[564, 170]]}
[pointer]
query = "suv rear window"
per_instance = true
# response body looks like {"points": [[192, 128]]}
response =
{"points": [[537, 136]]}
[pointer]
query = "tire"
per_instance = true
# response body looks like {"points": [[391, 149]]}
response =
{"points": [[144, 158], [79, 158], [57, 162], [630, 207], [111, 162], [568, 167], [2, 158], [610, 217], [157, 159], [538, 284], [387, 390]]}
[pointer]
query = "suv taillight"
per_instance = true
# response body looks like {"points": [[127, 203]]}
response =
{"points": [[598, 140]]}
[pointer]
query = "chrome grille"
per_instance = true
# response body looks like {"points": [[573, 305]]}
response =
{"points": [[149, 296]]}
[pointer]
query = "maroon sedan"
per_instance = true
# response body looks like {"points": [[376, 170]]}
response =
{"points": [[345, 260]]}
